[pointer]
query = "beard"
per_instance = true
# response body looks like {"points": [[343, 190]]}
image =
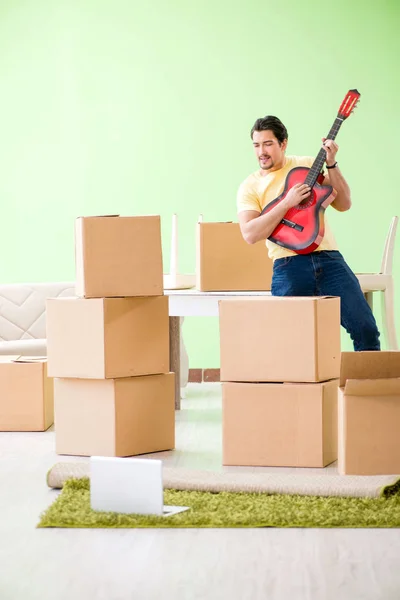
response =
{"points": [[267, 163]]}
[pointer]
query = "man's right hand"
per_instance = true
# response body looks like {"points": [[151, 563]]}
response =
{"points": [[297, 194]]}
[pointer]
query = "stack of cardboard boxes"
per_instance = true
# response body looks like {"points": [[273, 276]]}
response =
{"points": [[280, 364], [108, 349]]}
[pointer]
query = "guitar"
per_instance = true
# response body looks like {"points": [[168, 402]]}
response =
{"points": [[302, 228]]}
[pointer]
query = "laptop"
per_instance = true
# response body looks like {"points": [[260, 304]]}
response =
{"points": [[129, 486]]}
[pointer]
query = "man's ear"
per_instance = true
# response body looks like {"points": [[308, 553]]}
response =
{"points": [[284, 145]]}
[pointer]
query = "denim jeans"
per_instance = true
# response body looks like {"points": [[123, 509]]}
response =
{"points": [[326, 273]]}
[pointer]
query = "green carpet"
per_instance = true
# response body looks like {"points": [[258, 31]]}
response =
{"points": [[227, 509]]}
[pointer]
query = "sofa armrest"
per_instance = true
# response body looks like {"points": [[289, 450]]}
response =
{"points": [[24, 347]]}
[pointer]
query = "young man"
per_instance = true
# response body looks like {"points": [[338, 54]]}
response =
{"points": [[323, 272]]}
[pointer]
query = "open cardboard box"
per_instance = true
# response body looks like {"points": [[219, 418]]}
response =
{"points": [[369, 413]]}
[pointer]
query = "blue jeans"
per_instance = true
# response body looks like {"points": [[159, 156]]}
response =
{"points": [[326, 273]]}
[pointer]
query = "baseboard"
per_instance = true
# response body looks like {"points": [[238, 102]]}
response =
{"points": [[199, 375]]}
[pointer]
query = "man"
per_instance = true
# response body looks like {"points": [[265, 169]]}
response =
{"points": [[324, 271]]}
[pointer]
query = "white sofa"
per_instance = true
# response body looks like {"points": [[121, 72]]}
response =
{"points": [[23, 316], [23, 319]]}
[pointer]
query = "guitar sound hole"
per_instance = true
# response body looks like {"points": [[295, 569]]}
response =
{"points": [[305, 204]]}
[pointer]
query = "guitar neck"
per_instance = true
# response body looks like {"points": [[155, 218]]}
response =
{"points": [[318, 163]]}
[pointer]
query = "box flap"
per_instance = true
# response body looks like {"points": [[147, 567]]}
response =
{"points": [[18, 358], [96, 216], [29, 359], [373, 387], [369, 365], [119, 216], [214, 223], [264, 298], [7, 358], [215, 226]]}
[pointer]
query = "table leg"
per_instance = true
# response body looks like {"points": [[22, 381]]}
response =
{"points": [[175, 356]]}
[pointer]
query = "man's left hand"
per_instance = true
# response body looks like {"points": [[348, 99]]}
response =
{"points": [[330, 148]]}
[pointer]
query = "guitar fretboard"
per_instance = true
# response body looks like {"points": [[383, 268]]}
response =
{"points": [[318, 163]]}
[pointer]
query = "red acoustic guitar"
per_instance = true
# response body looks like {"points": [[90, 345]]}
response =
{"points": [[303, 226]]}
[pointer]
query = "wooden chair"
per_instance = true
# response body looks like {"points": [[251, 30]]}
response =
{"points": [[383, 282]]}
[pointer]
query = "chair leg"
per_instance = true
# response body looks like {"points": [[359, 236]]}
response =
{"points": [[369, 296], [388, 317]]}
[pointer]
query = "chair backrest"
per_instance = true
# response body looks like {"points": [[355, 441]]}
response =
{"points": [[387, 258]]}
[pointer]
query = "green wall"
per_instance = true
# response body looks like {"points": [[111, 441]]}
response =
{"points": [[135, 107]]}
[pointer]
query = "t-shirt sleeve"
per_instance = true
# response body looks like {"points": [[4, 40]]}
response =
{"points": [[308, 160], [247, 199]]}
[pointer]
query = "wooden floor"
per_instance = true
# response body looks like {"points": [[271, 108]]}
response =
{"points": [[284, 564]]}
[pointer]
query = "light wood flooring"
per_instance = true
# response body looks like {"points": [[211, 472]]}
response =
{"points": [[284, 564]]}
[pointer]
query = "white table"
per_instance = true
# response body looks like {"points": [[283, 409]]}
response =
{"points": [[193, 303]]}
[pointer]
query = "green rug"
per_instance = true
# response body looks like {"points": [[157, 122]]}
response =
{"points": [[229, 509]]}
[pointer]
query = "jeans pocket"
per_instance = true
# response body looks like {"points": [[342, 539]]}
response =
{"points": [[279, 263], [332, 254]]}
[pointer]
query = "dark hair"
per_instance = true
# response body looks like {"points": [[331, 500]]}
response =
{"points": [[273, 124]]}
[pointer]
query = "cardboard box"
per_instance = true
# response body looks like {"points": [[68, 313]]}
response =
{"points": [[279, 425], [107, 337], [280, 339], [369, 413], [225, 262], [118, 256], [115, 417], [26, 394]]}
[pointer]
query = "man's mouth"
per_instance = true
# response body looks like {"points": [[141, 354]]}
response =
{"points": [[264, 158]]}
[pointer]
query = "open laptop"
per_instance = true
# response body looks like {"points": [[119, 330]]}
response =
{"points": [[129, 486]]}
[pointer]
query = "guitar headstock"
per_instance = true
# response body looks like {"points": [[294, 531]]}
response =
{"points": [[349, 104]]}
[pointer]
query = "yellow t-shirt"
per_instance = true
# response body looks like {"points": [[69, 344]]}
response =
{"points": [[257, 191]]}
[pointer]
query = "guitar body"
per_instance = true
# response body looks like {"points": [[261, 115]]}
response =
{"points": [[302, 228]]}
